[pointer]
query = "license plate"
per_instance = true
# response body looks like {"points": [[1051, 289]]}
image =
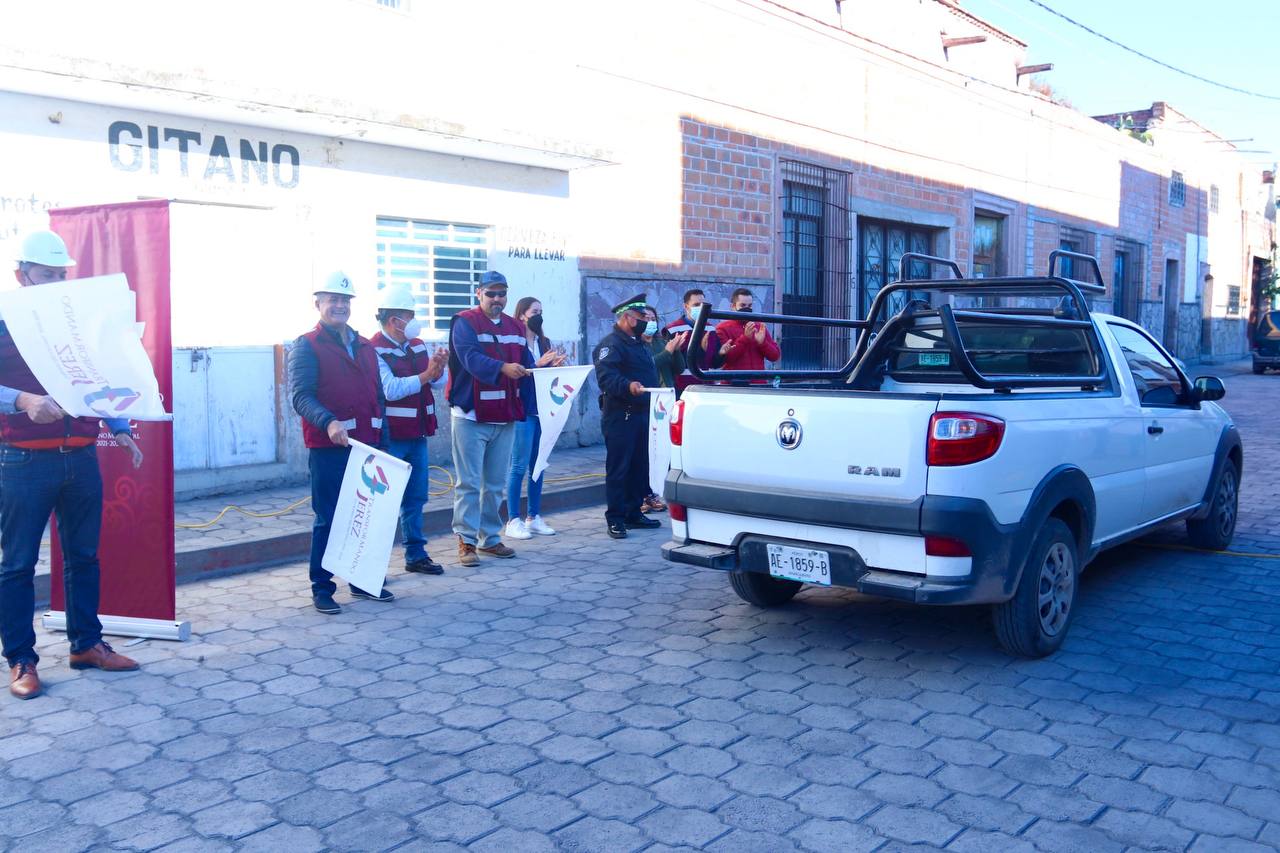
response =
{"points": [[800, 564], [934, 359]]}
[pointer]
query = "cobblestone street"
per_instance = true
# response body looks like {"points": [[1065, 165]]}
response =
{"points": [[589, 696]]}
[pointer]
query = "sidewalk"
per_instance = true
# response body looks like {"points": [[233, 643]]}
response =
{"points": [[237, 542]]}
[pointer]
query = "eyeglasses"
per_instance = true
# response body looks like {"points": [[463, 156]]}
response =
{"points": [[495, 294]]}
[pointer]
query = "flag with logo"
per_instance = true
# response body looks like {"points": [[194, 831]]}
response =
{"points": [[80, 339], [661, 402], [555, 388], [363, 527]]}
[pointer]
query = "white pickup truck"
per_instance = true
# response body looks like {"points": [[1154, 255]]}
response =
{"points": [[983, 441]]}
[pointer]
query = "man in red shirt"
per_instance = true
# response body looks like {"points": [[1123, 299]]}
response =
{"points": [[745, 346]]}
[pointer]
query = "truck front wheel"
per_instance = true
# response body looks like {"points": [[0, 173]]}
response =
{"points": [[1035, 621], [763, 590]]}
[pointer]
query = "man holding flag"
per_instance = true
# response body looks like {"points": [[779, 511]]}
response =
{"points": [[624, 369], [334, 382], [48, 464]]}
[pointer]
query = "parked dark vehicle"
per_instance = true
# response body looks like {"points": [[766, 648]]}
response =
{"points": [[1266, 342]]}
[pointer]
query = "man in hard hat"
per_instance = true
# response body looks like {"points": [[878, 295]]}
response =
{"points": [[407, 373], [48, 464], [333, 380], [488, 356]]}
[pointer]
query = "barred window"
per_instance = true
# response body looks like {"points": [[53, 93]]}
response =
{"points": [[1177, 190], [1233, 299], [1213, 198], [440, 262]]}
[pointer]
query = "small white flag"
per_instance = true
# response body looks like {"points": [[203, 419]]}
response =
{"points": [[363, 527], [661, 402], [555, 388]]}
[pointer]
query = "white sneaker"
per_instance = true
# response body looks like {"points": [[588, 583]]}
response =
{"points": [[515, 529], [537, 525]]}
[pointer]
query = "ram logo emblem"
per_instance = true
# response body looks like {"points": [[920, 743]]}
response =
{"points": [[874, 471], [789, 434]]}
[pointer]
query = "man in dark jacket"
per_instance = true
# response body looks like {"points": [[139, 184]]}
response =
{"points": [[333, 379], [624, 369]]}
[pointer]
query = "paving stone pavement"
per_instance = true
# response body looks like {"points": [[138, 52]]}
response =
{"points": [[588, 696]]}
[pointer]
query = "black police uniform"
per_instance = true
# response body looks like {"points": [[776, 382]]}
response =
{"points": [[621, 359]]}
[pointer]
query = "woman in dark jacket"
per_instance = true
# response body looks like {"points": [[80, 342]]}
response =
{"points": [[524, 449]]}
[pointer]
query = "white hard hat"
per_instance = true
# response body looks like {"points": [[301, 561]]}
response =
{"points": [[396, 298], [44, 248], [336, 282]]}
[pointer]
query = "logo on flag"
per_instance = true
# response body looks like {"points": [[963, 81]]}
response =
{"points": [[377, 481], [557, 397], [659, 410], [126, 396]]}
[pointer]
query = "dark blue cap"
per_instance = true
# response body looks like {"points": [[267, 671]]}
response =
{"points": [[492, 277]]}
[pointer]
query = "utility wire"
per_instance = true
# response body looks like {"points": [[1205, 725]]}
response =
{"points": [[1150, 58]]}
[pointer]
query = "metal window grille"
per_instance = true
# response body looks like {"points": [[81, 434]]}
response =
{"points": [[441, 262], [1213, 198], [1233, 299], [1127, 278], [881, 245], [815, 274], [1177, 190]]}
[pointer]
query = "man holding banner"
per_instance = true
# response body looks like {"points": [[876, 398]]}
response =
{"points": [[333, 377], [48, 464], [624, 371], [488, 357]]}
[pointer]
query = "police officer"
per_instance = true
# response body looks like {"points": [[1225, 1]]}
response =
{"points": [[336, 390], [624, 368]]}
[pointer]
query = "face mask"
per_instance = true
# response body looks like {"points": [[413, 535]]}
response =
{"points": [[535, 324], [746, 308], [412, 329], [651, 328], [694, 312]]}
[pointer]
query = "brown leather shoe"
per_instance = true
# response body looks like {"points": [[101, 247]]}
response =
{"points": [[467, 555], [499, 550], [102, 657], [23, 681]]}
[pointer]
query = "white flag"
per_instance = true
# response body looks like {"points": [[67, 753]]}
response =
{"points": [[363, 527], [555, 388], [80, 339], [661, 402]]}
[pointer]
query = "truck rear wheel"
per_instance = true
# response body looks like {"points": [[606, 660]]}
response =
{"points": [[1215, 531], [763, 590], [1035, 621]]}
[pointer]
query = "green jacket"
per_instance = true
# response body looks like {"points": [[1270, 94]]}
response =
{"points": [[670, 364]]}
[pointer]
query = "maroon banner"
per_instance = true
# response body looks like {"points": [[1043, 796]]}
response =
{"points": [[136, 549]]}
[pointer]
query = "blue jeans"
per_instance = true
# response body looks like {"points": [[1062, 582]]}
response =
{"points": [[481, 456], [34, 484], [524, 453], [413, 451], [327, 465]]}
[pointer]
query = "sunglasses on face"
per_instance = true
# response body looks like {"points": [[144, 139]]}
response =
{"points": [[495, 294]]}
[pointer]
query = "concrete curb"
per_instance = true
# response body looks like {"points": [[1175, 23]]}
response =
{"points": [[240, 557]]}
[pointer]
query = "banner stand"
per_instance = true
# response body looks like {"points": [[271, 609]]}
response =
{"points": [[125, 626]]}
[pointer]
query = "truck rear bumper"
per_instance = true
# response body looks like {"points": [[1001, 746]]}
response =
{"points": [[998, 550], [896, 585]]}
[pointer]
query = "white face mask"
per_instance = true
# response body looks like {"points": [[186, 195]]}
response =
{"points": [[412, 329], [651, 328], [694, 311]]}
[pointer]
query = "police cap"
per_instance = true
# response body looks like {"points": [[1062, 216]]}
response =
{"points": [[636, 303]]}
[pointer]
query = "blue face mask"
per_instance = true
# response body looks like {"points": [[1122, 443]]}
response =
{"points": [[651, 328], [694, 312]]}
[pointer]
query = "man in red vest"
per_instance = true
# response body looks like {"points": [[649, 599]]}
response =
{"points": [[407, 373], [48, 464], [488, 356], [694, 300], [333, 379]]}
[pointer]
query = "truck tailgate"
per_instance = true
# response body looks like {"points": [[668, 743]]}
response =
{"points": [[862, 446]]}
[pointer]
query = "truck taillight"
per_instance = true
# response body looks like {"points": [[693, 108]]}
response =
{"points": [[676, 512], [677, 423], [945, 546], [961, 438]]}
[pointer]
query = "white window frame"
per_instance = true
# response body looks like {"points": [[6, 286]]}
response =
{"points": [[441, 263]]}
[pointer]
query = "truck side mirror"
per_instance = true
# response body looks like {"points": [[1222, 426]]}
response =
{"points": [[1209, 388]]}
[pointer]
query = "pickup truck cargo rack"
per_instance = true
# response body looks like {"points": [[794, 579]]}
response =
{"points": [[875, 336]]}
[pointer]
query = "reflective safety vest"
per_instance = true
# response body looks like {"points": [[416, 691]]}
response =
{"points": [[506, 342], [347, 387], [413, 416]]}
